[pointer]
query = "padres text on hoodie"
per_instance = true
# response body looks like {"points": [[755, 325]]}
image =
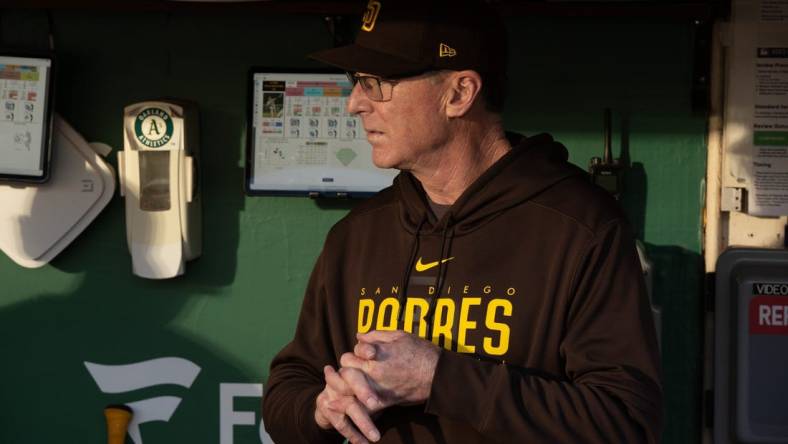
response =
{"points": [[531, 285]]}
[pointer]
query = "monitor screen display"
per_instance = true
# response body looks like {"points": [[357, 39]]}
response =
{"points": [[25, 117], [302, 140]]}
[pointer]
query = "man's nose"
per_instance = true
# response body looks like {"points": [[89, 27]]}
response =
{"points": [[358, 102]]}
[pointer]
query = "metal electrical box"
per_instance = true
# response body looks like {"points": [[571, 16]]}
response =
{"points": [[751, 347]]}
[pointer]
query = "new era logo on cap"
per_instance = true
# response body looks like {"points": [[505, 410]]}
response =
{"points": [[370, 15], [446, 51]]}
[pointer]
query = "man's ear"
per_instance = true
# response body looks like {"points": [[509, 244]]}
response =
{"points": [[464, 87]]}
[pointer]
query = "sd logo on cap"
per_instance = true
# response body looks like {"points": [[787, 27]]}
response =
{"points": [[370, 15]]}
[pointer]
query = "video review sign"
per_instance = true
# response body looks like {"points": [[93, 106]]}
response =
{"points": [[769, 309]]}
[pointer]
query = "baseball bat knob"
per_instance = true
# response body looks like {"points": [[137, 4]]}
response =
{"points": [[118, 417]]}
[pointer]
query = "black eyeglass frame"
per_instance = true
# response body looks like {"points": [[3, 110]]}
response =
{"points": [[368, 90]]}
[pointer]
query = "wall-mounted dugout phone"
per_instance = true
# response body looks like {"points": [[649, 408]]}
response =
{"points": [[606, 171], [158, 177]]}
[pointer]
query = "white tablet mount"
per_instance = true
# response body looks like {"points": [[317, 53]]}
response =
{"points": [[37, 221]]}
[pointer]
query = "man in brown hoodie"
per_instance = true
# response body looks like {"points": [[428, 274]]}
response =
{"points": [[492, 294]]}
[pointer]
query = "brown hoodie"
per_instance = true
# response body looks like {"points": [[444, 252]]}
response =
{"points": [[530, 283]]}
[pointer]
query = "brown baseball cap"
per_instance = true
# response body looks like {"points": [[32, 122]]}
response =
{"points": [[399, 38]]}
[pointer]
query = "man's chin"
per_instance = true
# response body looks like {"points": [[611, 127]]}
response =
{"points": [[384, 165], [382, 161]]}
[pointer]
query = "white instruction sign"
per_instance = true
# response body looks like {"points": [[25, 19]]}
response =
{"points": [[756, 125]]}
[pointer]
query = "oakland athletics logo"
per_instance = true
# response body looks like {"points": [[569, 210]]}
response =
{"points": [[153, 127]]}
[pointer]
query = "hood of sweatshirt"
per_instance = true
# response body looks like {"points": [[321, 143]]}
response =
{"points": [[533, 165]]}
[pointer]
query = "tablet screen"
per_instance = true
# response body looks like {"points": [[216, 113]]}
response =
{"points": [[302, 140], [25, 117]]}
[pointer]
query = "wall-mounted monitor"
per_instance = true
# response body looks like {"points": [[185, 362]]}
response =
{"points": [[26, 113], [301, 140]]}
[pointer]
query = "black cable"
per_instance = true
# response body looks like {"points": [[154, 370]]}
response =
{"points": [[51, 26], [403, 296], [446, 240]]}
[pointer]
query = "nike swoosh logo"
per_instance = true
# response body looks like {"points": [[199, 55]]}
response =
{"points": [[424, 267]]}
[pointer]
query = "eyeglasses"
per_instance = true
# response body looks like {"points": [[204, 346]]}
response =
{"points": [[377, 89]]}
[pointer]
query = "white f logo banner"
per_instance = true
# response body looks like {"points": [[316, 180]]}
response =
{"points": [[138, 375]]}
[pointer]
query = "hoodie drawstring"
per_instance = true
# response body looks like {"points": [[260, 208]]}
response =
{"points": [[446, 240], [402, 298]]}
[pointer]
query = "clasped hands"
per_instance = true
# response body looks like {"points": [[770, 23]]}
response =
{"points": [[386, 368]]}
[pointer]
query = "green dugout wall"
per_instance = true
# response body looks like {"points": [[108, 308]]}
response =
{"points": [[237, 305]]}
